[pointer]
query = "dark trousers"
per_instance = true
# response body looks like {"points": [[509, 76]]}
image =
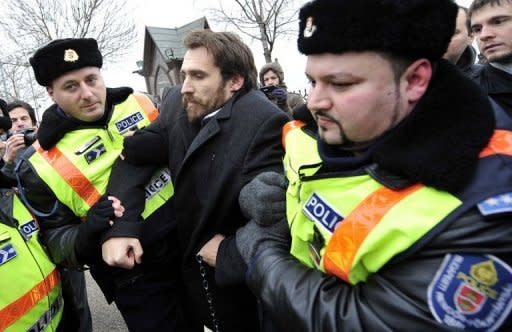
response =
{"points": [[150, 303]]}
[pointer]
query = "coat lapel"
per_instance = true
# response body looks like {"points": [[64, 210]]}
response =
{"points": [[210, 130]]}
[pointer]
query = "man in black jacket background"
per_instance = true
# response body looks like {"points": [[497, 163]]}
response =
{"points": [[491, 25]]}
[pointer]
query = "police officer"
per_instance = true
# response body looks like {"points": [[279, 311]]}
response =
{"points": [[398, 206], [64, 178], [31, 297]]}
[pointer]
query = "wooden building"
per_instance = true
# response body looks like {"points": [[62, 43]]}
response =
{"points": [[163, 55]]}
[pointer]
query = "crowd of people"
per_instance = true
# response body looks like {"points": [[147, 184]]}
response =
{"points": [[380, 203]]}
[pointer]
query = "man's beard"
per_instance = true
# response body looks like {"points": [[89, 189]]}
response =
{"points": [[205, 106]]}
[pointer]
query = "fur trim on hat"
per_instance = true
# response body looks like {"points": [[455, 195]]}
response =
{"points": [[409, 28], [63, 55], [276, 68]]}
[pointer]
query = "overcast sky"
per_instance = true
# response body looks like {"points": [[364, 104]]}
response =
{"points": [[174, 13]]}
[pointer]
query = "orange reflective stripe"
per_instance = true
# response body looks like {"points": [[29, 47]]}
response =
{"points": [[70, 173], [289, 126], [350, 234], [147, 105], [500, 143], [17, 309]]}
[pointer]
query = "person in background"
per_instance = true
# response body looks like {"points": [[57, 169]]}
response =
{"points": [[460, 52], [491, 26], [398, 206], [273, 85], [216, 133], [22, 133], [63, 178]]}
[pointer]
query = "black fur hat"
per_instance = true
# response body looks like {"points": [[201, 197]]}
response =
{"points": [[410, 28], [63, 55], [5, 120]]}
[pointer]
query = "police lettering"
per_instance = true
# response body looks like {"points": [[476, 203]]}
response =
{"points": [[47, 317], [129, 122], [475, 284], [28, 229], [322, 213], [157, 184]]}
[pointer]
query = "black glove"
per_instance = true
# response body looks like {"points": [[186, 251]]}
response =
{"points": [[280, 95], [97, 221], [264, 201]]}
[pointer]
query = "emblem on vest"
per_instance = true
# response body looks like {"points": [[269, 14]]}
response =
{"points": [[95, 153], [322, 213], [7, 253], [472, 292], [28, 229], [129, 122], [157, 183]]}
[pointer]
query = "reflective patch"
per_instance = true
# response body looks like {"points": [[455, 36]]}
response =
{"points": [[28, 229], [7, 253], [48, 316], [318, 210], [157, 183], [495, 205], [471, 292], [95, 153], [129, 122]]}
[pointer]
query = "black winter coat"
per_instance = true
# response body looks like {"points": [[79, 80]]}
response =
{"points": [[209, 166], [496, 83]]}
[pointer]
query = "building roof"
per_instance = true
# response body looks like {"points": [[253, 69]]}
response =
{"points": [[168, 41]]}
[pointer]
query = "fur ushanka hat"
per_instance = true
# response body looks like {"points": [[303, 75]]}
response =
{"points": [[63, 55], [410, 28]]}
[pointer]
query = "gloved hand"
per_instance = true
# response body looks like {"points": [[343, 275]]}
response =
{"points": [[264, 198], [264, 201], [280, 95], [97, 220]]}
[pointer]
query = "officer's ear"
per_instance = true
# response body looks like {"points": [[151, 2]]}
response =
{"points": [[416, 79]]}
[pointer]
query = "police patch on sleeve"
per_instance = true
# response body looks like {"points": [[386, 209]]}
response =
{"points": [[472, 292], [496, 205]]}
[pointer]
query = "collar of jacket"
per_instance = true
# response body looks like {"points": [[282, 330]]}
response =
{"points": [[467, 59], [54, 125], [439, 143]]}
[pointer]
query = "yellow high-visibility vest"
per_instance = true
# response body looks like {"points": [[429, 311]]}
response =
{"points": [[30, 295]]}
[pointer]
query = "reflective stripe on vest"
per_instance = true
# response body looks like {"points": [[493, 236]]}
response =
{"points": [[371, 223], [30, 299], [77, 169]]}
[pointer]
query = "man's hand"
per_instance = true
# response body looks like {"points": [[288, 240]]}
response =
{"points": [[123, 252], [280, 95], [12, 146], [210, 249], [99, 218]]}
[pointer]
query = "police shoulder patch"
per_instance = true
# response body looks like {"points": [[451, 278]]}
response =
{"points": [[496, 205], [472, 292]]}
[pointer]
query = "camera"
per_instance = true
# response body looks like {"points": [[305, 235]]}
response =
{"points": [[267, 90], [29, 135]]}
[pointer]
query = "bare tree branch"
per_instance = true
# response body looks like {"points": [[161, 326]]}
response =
{"points": [[263, 20], [29, 24]]}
